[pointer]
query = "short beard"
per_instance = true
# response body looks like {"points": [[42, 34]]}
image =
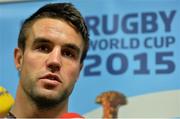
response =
{"points": [[44, 103]]}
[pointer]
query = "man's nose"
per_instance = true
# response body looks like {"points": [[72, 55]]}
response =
{"points": [[53, 61]]}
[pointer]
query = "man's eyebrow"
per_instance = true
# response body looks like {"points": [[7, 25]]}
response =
{"points": [[40, 40], [67, 45]]}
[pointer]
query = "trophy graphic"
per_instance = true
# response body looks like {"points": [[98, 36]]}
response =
{"points": [[111, 101]]}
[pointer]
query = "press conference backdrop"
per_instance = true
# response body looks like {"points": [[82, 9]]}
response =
{"points": [[134, 49]]}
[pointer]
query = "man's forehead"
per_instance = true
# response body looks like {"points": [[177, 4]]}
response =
{"points": [[51, 24], [47, 28]]}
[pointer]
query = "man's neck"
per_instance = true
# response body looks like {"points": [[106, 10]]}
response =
{"points": [[24, 107]]}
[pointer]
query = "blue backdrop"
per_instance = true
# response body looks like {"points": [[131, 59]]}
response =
{"points": [[134, 47]]}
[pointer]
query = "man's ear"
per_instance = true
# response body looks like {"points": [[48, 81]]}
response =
{"points": [[18, 57]]}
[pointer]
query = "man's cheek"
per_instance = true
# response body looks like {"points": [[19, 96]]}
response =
{"points": [[32, 63], [73, 73]]}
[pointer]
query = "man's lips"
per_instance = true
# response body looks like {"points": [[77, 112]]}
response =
{"points": [[51, 77]]}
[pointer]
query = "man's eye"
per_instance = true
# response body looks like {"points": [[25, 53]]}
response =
{"points": [[68, 54], [44, 48]]}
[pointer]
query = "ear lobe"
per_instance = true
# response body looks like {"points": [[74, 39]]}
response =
{"points": [[18, 57]]}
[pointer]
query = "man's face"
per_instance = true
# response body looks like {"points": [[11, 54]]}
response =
{"points": [[50, 64]]}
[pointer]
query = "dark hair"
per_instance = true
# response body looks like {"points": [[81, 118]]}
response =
{"points": [[64, 11]]}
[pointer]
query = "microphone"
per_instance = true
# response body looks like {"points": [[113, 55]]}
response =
{"points": [[70, 115], [6, 101]]}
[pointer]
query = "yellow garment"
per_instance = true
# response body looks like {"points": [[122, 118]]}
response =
{"points": [[6, 101]]}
